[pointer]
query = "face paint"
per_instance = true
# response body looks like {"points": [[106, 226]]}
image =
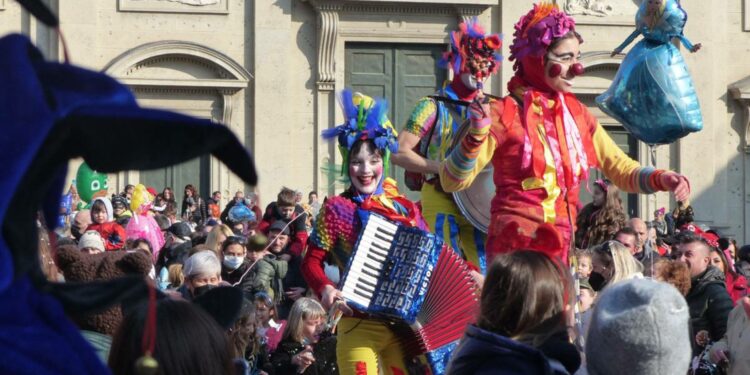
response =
{"points": [[365, 170], [562, 65]]}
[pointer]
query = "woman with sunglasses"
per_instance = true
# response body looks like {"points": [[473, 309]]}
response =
{"points": [[612, 263]]}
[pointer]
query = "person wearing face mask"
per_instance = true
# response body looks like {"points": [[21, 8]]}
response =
{"points": [[202, 273], [542, 141], [434, 124]]}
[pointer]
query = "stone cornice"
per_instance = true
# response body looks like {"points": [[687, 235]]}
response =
{"points": [[204, 55]]}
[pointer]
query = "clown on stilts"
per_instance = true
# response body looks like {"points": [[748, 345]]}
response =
{"points": [[433, 127], [541, 141]]}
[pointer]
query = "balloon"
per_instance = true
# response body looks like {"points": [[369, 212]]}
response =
{"points": [[144, 226], [90, 183], [652, 94], [141, 201], [240, 213]]}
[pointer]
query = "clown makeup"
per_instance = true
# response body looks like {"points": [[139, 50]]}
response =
{"points": [[366, 169], [559, 75]]}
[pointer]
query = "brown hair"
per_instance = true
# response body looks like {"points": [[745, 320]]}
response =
{"points": [[597, 225], [287, 197], [524, 297], [675, 273]]}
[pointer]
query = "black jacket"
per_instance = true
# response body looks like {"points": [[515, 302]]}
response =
{"points": [[324, 352], [709, 305], [482, 352]]}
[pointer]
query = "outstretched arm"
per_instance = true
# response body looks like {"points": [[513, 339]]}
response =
{"points": [[627, 41], [690, 46], [629, 175]]}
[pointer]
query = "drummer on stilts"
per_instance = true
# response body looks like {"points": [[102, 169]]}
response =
{"points": [[432, 129]]}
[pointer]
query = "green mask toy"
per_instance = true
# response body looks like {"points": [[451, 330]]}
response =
{"points": [[90, 183]]}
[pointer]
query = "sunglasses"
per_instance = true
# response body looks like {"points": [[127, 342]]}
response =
{"points": [[236, 239]]}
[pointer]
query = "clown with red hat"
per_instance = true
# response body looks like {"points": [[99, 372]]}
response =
{"points": [[542, 141]]}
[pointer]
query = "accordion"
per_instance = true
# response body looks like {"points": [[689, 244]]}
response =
{"points": [[407, 275]]}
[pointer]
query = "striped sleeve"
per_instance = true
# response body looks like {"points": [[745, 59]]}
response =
{"points": [[422, 118], [464, 163], [623, 171]]}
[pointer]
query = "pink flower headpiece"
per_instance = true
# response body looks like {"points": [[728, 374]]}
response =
{"points": [[535, 31], [604, 184], [470, 41]]}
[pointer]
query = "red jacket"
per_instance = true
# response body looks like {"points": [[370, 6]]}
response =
{"points": [[112, 233]]}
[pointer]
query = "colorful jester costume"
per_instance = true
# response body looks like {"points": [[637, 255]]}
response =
{"points": [[364, 344], [541, 144], [436, 122]]}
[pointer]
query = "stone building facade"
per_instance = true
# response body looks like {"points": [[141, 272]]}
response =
{"points": [[270, 69]]}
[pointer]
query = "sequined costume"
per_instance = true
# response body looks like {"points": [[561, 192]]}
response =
{"points": [[365, 344], [541, 145], [437, 122]]}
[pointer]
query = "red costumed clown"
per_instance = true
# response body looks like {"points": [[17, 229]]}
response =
{"points": [[432, 127], [541, 141]]}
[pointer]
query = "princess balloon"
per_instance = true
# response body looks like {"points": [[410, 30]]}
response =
{"points": [[652, 94]]}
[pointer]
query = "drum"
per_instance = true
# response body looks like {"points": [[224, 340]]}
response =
{"points": [[474, 202]]}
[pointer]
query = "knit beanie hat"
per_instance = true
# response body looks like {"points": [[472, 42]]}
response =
{"points": [[91, 238], [640, 325]]}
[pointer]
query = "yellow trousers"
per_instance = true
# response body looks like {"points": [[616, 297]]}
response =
{"points": [[444, 218], [368, 347]]}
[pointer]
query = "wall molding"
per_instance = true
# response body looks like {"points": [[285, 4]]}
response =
{"points": [[171, 6]]}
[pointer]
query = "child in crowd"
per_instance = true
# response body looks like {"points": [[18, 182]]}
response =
{"points": [[583, 257], [286, 210], [302, 350], [244, 270], [91, 242], [102, 221], [599, 220], [586, 296], [293, 285], [269, 329]]}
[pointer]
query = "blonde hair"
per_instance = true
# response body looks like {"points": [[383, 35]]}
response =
{"points": [[303, 309], [175, 276], [615, 254], [212, 239]]}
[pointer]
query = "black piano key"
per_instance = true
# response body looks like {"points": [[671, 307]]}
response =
{"points": [[383, 238], [362, 294], [370, 273], [371, 256], [385, 231], [366, 282]]}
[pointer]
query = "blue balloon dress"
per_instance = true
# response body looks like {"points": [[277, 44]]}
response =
{"points": [[652, 94]]}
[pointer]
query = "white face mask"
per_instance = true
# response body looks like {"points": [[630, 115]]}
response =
{"points": [[233, 262]]}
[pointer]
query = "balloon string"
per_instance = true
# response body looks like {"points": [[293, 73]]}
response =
{"points": [[66, 56], [652, 149]]}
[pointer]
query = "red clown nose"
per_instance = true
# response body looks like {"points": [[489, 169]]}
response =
{"points": [[577, 69]]}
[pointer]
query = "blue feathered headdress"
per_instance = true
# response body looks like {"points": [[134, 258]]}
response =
{"points": [[365, 119]]}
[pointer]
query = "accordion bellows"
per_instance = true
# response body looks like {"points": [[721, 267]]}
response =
{"points": [[407, 275]]}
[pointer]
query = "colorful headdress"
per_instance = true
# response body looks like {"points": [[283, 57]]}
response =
{"points": [[470, 40], [535, 31], [365, 119]]}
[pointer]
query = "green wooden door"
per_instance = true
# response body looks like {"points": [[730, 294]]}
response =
{"points": [[195, 172], [629, 145], [400, 73]]}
